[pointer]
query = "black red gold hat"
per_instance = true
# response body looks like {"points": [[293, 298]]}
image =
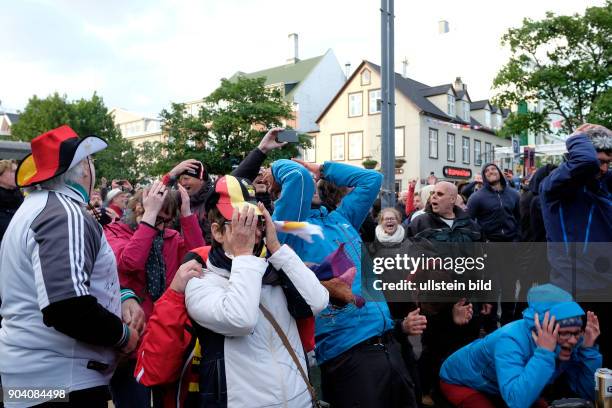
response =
{"points": [[231, 193], [54, 153]]}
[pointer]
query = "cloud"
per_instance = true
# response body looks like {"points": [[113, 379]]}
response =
{"points": [[141, 55]]}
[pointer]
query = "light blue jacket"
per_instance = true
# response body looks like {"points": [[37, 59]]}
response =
{"points": [[507, 362], [336, 329]]}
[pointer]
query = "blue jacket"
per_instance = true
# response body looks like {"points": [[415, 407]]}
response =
{"points": [[577, 208], [497, 212], [336, 330], [507, 362]]}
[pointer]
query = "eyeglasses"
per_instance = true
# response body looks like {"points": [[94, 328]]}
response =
{"points": [[566, 335], [261, 223]]}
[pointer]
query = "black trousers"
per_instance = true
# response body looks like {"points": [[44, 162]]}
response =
{"points": [[97, 397], [368, 376]]}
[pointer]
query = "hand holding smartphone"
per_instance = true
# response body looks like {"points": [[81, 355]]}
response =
{"points": [[290, 136]]}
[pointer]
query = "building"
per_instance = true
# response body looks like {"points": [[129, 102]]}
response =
{"points": [[137, 128], [7, 120], [308, 85], [437, 129]]}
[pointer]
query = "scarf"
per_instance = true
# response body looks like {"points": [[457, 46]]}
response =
{"points": [[396, 238], [10, 199], [219, 259], [156, 268]]}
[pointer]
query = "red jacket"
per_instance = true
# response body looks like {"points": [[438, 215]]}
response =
{"points": [[132, 248], [167, 349]]}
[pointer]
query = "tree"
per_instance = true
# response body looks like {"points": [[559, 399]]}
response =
{"points": [[564, 61], [86, 117], [230, 124]]}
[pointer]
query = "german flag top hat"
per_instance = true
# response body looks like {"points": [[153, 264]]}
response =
{"points": [[54, 153]]}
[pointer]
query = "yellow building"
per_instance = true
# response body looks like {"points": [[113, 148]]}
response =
{"points": [[437, 129], [136, 128]]}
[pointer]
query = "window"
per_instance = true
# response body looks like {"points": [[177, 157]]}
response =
{"points": [[433, 143], [488, 152], [310, 153], [355, 104], [477, 155], [450, 105], [365, 77], [338, 147], [374, 101], [399, 142], [466, 111], [450, 147], [465, 149], [487, 118], [355, 145], [398, 186]]}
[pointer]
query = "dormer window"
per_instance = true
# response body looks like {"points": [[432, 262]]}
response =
{"points": [[487, 118], [450, 105], [365, 77], [466, 111]]}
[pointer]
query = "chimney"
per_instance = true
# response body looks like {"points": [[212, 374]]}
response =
{"points": [[443, 27], [347, 69], [293, 49], [405, 67], [459, 85]]}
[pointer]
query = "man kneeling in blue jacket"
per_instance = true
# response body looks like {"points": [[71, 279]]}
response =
{"points": [[515, 363]]}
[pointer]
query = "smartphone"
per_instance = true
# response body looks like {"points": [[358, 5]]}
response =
{"points": [[290, 136]]}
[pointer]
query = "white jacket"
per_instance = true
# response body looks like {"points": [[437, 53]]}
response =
{"points": [[259, 370]]}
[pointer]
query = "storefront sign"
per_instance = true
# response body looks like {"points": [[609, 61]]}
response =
{"points": [[456, 172]]}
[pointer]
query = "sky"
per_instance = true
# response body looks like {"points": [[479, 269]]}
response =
{"points": [[141, 55]]}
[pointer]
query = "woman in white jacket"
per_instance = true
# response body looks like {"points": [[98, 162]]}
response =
{"points": [[244, 362]]}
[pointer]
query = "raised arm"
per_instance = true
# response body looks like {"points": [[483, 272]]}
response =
{"points": [[366, 186], [582, 164], [297, 189]]}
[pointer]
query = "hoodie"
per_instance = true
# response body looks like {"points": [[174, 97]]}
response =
{"points": [[507, 362], [497, 212], [577, 208]]}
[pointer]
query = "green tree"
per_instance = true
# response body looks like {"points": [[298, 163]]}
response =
{"points": [[231, 123], [86, 117], [564, 61]]}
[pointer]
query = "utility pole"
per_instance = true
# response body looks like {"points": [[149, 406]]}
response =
{"points": [[387, 132]]}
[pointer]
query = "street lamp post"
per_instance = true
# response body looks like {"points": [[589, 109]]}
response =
{"points": [[387, 71]]}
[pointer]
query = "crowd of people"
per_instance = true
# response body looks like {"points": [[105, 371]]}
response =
{"points": [[247, 289]]}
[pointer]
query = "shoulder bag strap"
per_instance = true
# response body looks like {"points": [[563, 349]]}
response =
{"points": [[287, 345]]}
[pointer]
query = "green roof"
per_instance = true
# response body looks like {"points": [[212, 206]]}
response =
{"points": [[289, 74]]}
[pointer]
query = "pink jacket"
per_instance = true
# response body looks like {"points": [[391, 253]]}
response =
{"points": [[132, 248]]}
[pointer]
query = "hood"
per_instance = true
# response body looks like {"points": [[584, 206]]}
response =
{"points": [[553, 299], [485, 183], [539, 176]]}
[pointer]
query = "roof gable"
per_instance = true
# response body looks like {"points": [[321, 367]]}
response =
{"points": [[284, 74], [438, 90], [477, 105]]}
